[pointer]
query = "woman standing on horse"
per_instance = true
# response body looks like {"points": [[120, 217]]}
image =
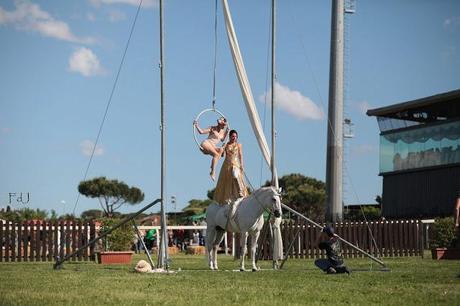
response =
{"points": [[216, 134], [230, 185]]}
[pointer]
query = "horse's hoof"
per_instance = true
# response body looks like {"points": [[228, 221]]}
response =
{"points": [[255, 270], [242, 270]]}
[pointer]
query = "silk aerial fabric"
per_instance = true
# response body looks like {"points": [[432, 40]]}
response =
{"points": [[252, 110], [245, 85]]}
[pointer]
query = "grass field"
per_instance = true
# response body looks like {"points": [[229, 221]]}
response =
{"points": [[411, 281]]}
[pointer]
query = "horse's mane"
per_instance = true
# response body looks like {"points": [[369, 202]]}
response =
{"points": [[261, 189], [255, 195]]}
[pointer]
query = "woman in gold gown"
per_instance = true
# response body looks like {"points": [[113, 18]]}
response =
{"points": [[230, 185]]}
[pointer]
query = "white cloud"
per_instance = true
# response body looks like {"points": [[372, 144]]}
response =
{"points": [[452, 22], [449, 52], [294, 103], [29, 16], [87, 146], [116, 15], [91, 17], [363, 106], [5, 130], [363, 149], [145, 3], [85, 62]]}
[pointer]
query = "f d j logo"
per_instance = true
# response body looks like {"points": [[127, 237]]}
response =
{"points": [[19, 197]]}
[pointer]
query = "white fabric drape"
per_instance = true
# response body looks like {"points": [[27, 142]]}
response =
{"points": [[253, 116], [245, 86], [277, 238]]}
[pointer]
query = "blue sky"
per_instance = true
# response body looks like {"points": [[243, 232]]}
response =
{"points": [[59, 60]]}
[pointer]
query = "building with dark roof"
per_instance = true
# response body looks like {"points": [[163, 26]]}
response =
{"points": [[420, 156]]}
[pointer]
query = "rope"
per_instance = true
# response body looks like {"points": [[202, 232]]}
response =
{"points": [[365, 219], [255, 196], [109, 102], [215, 58], [292, 19], [266, 91]]}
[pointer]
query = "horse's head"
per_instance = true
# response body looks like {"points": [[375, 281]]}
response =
{"points": [[276, 204], [272, 200]]}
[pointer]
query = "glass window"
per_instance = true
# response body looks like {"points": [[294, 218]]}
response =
{"points": [[387, 124], [423, 147]]}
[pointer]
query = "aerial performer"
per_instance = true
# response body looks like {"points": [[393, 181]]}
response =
{"points": [[230, 185], [216, 134]]}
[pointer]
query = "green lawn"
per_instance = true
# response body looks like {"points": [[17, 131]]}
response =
{"points": [[411, 281]]}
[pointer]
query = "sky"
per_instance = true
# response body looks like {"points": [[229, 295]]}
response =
{"points": [[59, 62]]}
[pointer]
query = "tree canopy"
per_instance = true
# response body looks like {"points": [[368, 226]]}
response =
{"points": [[112, 194], [305, 194], [23, 214], [92, 214], [196, 207]]}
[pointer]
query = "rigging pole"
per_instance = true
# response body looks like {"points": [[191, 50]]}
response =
{"points": [[273, 77], [276, 239], [163, 253], [334, 159]]}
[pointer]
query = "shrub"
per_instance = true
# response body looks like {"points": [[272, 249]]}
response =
{"points": [[120, 239], [367, 213], [443, 233]]}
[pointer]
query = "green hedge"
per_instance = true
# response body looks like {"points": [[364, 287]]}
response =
{"points": [[443, 233], [120, 239]]}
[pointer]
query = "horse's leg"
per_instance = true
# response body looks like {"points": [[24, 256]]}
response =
{"points": [[217, 241], [254, 238], [214, 257], [244, 240], [210, 238]]}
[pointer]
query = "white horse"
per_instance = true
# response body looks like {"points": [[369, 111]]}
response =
{"points": [[248, 218]]}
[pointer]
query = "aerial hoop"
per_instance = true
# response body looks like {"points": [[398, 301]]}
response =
{"points": [[198, 117]]}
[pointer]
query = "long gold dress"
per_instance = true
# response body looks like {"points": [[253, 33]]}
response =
{"points": [[229, 188]]}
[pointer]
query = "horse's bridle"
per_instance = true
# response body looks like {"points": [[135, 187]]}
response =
{"points": [[255, 196], [273, 209]]}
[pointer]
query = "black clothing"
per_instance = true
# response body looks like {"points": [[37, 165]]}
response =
{"points": [[333, 251], [326, 266], [334, 262]]}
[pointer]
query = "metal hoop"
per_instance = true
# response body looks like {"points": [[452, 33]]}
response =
{"points": [[198, 117]]}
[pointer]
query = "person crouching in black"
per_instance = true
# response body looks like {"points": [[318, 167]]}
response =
{"points": [[328, 241]]}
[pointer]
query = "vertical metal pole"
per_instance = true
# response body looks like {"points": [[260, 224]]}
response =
{"points": [[335, 117], [163, 253], [273, 77], [140, 238], [272, 161]]}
